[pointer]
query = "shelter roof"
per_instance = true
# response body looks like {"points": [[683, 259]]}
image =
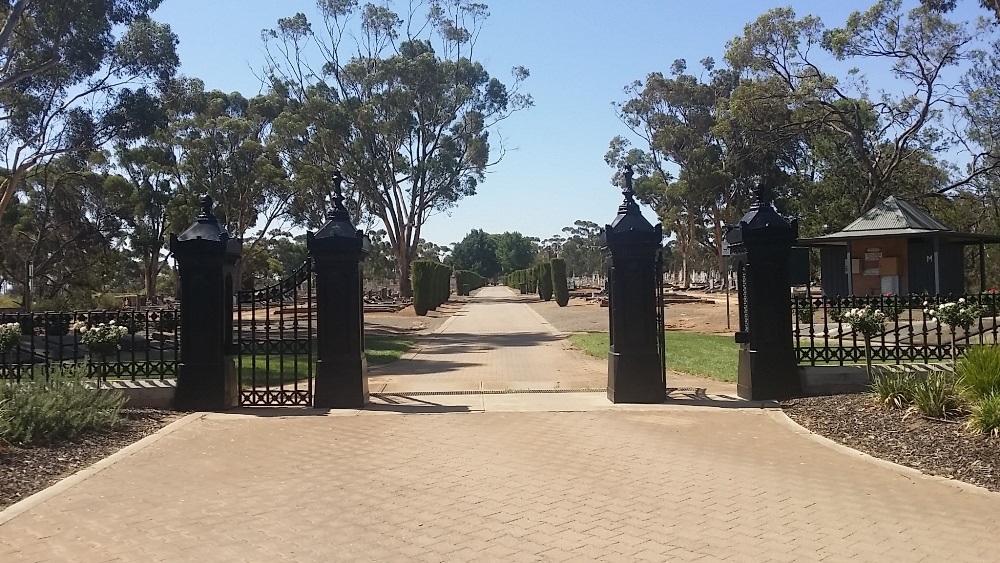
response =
{"points": [[895, 217]]}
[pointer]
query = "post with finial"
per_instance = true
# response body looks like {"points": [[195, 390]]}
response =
{"points": [[206, 259], [635, 373], [761, 248], [338, 250]]}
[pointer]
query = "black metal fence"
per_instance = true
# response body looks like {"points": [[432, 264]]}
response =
{"points": [[821, 336], [274, 335], [149, 349]]}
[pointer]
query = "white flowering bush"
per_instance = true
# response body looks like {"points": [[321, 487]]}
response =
{"points": [[866, 320], [101, 339], [954, 313], [10, 336]]}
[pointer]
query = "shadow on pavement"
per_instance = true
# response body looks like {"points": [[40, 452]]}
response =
{"points": [[698, 397], [394, 403]]}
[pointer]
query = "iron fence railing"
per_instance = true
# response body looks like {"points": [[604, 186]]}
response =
{"points": [[48, 343], [909, 334]]}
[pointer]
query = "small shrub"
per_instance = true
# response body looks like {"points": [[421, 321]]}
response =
{"points": [[985, 417], [938, 395], [101, 339], [979, 371], [893, 389], [59, 409], [804, 314], [10, 336]]}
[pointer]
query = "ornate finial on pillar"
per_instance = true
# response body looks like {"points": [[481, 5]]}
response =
{"points": [[337, 197], [628, 192], [206, 206], [763, 197]]}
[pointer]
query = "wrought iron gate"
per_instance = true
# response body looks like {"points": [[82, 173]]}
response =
{"points": [[661, 343], [275, 340]]}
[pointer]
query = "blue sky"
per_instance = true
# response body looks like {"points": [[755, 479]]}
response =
{"points": [[581, 53]]}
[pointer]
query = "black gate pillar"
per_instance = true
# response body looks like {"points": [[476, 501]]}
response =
{"points": [[206, 260], [634, 366], [337, 251], [761, 247]]}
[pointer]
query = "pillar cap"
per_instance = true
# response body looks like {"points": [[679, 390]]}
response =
{"points": [[630, 225], [339, 231], [206, 225]]}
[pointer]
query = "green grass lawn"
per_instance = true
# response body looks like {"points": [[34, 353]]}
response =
{"points": [[378, 350], [705, 355]]}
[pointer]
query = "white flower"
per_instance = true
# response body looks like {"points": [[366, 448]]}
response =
{"points": [[926, 303], [961, 300]]}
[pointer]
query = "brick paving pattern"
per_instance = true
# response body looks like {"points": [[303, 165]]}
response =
{"points": [[586, 481]]}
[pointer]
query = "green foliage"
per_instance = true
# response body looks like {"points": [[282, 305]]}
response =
{"points": [[431, 285], [10, 336], [476, 252], [894, 389], [61, 82], [559, 285], [544, 273], [979, 372], [60, 409], [423, 286], [413, 81], [954, 314], [515, 251], [466, 281], [985, 416], [938, 395], [804, 314]]}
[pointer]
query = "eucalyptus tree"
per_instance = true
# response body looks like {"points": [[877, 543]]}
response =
{"points": [[515, 251], [143, 193], [397, 102], [224, 148], [477, 252], [682, 165], [883, 131], [75, 74], [67, 228]]}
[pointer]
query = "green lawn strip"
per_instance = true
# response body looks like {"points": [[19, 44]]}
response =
{"points": [[705, 355], [275, 369]]}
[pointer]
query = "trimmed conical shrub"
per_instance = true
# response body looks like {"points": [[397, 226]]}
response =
{"points": [[545, 281], [559, 285]]}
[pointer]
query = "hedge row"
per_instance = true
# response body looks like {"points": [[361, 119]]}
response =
{"points": [[467, 280], [431, 285], [547, 278], [524, 280]]}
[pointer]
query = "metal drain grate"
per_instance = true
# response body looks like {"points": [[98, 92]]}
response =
{"points": [[488, 392]]}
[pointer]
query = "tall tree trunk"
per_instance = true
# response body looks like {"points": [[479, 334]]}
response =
{"points": [[149, 277], [405, 287]]}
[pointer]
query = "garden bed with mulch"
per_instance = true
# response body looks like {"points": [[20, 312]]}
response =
{"points": [[942, 448], [27, 470]]}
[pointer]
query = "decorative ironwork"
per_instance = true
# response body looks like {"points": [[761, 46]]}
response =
{"points": [[48, 344], [909, 335], [275, 341]]}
